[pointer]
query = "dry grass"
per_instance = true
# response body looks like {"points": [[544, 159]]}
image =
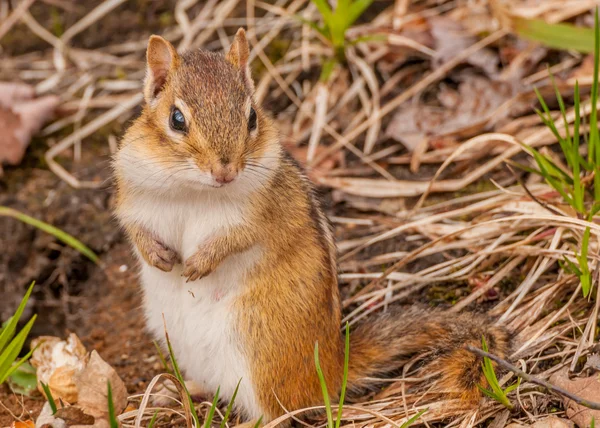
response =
{"points": [[498, 246]]}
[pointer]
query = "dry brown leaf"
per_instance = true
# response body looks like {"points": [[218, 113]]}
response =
{"points": [[593, 361], [549, 422], [21, 116], [47, 420], [92, 384], [56, 362], [99, 423], [587, 388], [74, 416], [462, 112], [451, 38]]}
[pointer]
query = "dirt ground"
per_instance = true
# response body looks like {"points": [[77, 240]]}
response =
{"points": [[101, 303], [98, 303]]}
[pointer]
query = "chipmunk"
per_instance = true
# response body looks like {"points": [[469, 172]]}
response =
{"points": [[238, 255]]}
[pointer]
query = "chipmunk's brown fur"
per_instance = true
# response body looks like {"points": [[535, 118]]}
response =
{"points": [[245, 272]]}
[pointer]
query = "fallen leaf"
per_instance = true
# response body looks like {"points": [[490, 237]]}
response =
{"points": [[587, 388], [460, 112], [74, 416], [593, 361], [100, 423], [57, 361], [451, 38], [92, 386], [23, 424], [47, 420], [21, 116]]}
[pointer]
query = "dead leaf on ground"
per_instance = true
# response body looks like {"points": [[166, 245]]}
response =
{"points": [[451, 38], [47, 420], [92, 385], [593, 362], [57, 361], [461, 112], [21, 116], [74, 416], [587, 388]]}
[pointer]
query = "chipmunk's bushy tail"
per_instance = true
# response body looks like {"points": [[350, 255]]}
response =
{"points": [[382, 344]]}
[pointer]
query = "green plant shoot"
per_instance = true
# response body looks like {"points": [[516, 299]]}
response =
{"points": [[571, 183], [495, 392], [11, 343]]}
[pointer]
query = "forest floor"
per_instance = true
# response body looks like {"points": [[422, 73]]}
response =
{"points": [[415, 160]]}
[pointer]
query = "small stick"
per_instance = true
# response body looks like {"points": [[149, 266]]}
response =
{"points": [[552, 388]]}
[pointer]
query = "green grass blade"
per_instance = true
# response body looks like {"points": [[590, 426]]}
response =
{"points": [[325, 11], [488, 393], [578, 187], [323, 387], [585, 278], [48, 228], [112, 418], [327, 69], [258, 422], [338, 420], [179, 377], [162, 358], [11, 352], [18, 364], [313, 25], [49, 397], [571, 267], [9, 330], [230, 405], [594, 137], [557, 36], [356, 10], [153, 420], [566, 144], [211, 411], [412, 420]]}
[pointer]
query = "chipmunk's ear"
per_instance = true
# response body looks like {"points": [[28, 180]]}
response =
{"points": [[238, 55], [161, 58]]}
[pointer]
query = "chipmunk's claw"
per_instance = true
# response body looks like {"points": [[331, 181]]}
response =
{"points": [[162, 257], [197, 267]]}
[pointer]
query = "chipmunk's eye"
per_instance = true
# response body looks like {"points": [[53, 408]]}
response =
{"points": [[252, 120], [177, 121]]}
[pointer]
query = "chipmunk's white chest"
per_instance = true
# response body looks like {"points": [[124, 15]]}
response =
{"points": [[200, 316]]}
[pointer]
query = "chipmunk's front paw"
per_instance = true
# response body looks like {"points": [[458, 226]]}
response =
{"points": [[160, 256], [199, 265]]}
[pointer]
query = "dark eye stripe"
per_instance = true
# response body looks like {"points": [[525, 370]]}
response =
{"points": [[252, 120], [177, 120]]}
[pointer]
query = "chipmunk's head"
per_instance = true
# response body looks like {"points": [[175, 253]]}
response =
{"points": [[202, 126]]}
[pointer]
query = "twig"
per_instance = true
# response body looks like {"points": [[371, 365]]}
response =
{"points": [[550, 387]]}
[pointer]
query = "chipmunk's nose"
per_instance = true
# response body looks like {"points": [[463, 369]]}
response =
{"points": [[224, 173]]}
